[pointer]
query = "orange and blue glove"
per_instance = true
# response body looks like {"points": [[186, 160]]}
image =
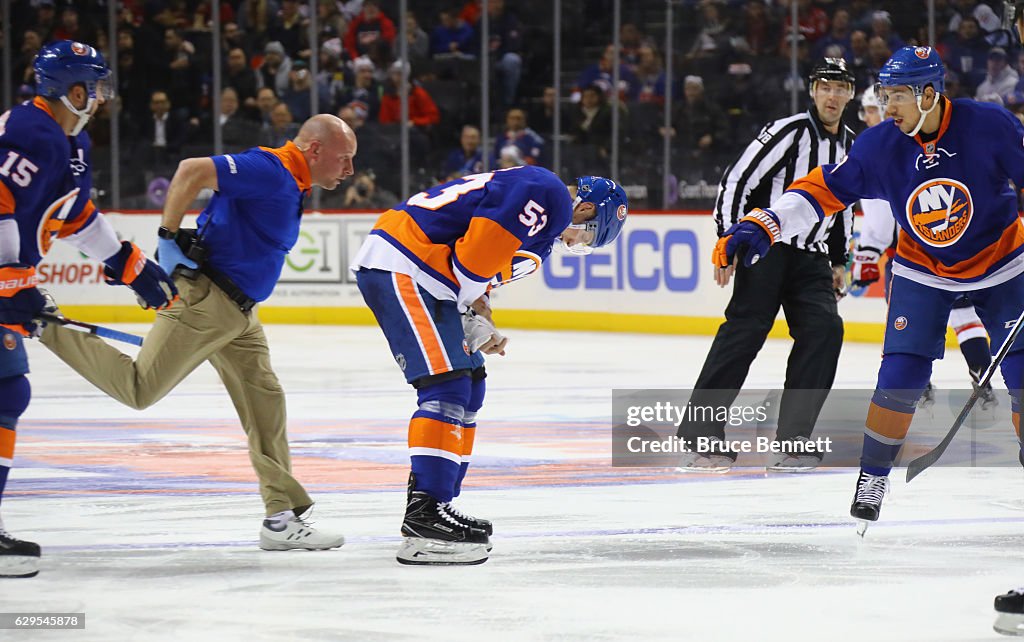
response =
{"points": [[756, 233], [130, 267], [20, 299]]}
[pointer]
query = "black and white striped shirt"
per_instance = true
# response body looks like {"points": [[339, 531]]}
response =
{"points": [[785, 150]]}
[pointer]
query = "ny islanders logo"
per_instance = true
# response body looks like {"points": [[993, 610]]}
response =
{"points": [[939, 211], [923, 52]]}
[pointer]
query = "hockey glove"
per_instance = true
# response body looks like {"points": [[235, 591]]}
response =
{"points": [[865, 266], [170, 256], [479, 330], [20, 299], [130, 267], [756, 233]]}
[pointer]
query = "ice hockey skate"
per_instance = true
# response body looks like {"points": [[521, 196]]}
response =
{"points": [[475, 522], [987, 399], [1010, 613], [18, 558], [867, 501], [712, 459], [434, 536], [292, 533], [927, 398], [796, 460]]}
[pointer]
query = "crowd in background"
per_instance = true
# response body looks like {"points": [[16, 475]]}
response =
{"points": [[731, 75]]}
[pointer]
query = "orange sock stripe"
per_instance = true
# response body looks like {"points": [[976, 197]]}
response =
{"points": [[468, 436], [438, 435], [1016, 424], [423, 324], [888, 423], [6, 443]]}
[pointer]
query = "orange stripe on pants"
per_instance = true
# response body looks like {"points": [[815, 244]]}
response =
{"points": [[421, 321], [468, 436], [888, 423], [439, 435], [6, 443]]}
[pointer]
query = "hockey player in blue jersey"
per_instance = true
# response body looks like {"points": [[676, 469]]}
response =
{"points": [[425, 270], [945, 167], [44, 194]]}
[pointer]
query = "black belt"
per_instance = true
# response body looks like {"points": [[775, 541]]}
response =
{"points": [[235, 293]]}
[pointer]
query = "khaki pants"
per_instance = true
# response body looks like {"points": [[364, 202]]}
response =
{"points": [[204, 326]]}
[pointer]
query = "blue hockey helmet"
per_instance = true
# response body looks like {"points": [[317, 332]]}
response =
{"points": [[63, 64], [916, 67], [611, 205]]}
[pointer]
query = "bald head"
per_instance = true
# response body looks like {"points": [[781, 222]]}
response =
{"points": [[329, 145]]}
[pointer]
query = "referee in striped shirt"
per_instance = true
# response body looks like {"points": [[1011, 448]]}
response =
{"points": [[805, 277]]}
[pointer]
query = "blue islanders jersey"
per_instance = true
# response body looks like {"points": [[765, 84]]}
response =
{"points": [[458, 239], [252, 221], [44, 183], [951, 197]]}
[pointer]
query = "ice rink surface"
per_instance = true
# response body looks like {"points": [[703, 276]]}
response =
{"points": [[149, 520]]}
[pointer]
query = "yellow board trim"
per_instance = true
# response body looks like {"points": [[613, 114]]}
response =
{"points": [[524, 319]]}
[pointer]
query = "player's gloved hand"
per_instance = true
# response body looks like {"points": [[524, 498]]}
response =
{"points": [[130, 267], [756, 232], [20, 299], [170, 256], [865, 266], [482, 334]]}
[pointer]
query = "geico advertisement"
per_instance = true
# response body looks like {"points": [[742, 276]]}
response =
{"points": [[660, 264]]}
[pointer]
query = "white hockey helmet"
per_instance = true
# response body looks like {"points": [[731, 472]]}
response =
{"points": [[868, 99]]}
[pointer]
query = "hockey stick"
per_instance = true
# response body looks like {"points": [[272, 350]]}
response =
{"points": [[919, 465], [98, 330]]}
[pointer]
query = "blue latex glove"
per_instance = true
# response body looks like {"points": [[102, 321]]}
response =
{"points": [[170, 256], [756, 232]]}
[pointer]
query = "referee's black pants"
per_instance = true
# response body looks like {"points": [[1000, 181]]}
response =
{"points": [[800, 282]]}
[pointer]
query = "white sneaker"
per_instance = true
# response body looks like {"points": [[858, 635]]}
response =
{"points": [[288, 533], [794, 462]]}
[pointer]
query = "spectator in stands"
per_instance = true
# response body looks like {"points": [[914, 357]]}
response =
{"points": [[600, 74], [983, 15], [699, 126], [299, 94], [71, 28], [242, 78], [369, 27], [132, 92], [364, 194], [837, 37], [423, 112], [23, 93], [350, 9], [650, 76], [332, 76], [859, 60], [517, 134], [471, 11], [510, 156], [354, 118], [713, 38], [276, 66], [46, 20], [967, 54], [331, 23], [365, 92], [31, 43], [954, 87], [452, 36], [592, 121], [542, 114], [237, 131], [812, 22], [291, 29], [419, 41], [467, 158], [746, 104], [881, 26], [184, 77], [165, 131], [505, 47], [232, 37], [630, 41], [266, 99], [759, 29], [879, 53], [1000, 79], [254, 18], [281, 128]]}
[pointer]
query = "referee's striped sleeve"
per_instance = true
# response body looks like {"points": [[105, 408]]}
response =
{"points": [[762, 155]]}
